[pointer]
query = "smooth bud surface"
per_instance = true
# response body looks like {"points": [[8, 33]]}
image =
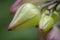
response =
{"points": [[55, 16], [26, 16], [46, 23]]}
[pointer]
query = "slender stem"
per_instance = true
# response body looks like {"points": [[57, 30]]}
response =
{"points": [[52, 10], [48, 4], [55, 6]]}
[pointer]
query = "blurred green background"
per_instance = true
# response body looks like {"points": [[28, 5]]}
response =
{"points": [[5, 19]]}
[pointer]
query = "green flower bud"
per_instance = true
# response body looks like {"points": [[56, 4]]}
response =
{"points": [[26, 16], [46, 23], [55, 16]]}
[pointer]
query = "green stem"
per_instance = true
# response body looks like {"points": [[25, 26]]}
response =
{"points": [[48, 4], [54, 8]]}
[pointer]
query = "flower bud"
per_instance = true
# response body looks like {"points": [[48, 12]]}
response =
{"points": [[26, 16], [46, 23]]}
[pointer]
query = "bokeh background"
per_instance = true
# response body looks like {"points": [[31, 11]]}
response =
{"points": [[5, 19]]}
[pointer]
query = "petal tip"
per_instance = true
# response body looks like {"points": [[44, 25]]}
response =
{"points": [[10, 28], [41, 28]]}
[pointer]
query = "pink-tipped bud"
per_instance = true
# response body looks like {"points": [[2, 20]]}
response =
{"points": [[41, 28], [16, 5]]}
